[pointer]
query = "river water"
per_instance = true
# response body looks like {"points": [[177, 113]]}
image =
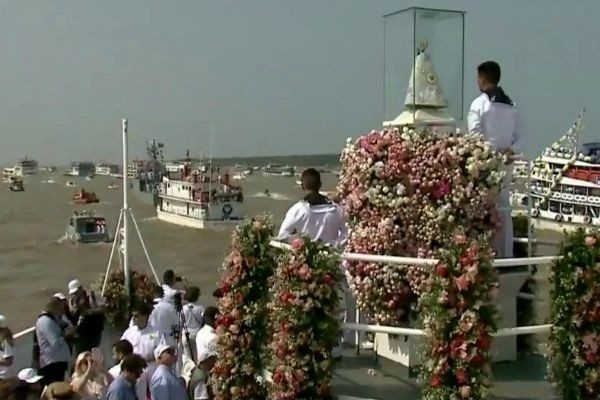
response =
{"points": [[36, 261]]}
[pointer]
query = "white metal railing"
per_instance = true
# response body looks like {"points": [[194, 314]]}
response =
{"points": [[498, 263], [392, 330]]}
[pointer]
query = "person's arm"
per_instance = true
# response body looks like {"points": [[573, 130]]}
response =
{"points": [[8, 358], [474, 118], [517, 142], [289, 226], [78, 382]]}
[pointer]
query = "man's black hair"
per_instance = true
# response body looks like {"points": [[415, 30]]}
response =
{"points": [[133, 363], [311, 180], [490, 70], [192, 294], [169, 277], [142, 308], [123, 347], [210, 315]]}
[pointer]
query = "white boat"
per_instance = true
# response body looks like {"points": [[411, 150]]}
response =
{"points": [[70, 184], [239, 177], [298, 182], [564, 186], [106, 169], [25, 167], [113, 186], [81, 168], [278, 170], [196, 199]]}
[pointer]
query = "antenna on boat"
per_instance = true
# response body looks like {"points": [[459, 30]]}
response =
{"points": [[122, 230]]}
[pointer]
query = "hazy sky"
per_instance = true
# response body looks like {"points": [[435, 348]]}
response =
{"points": [[266, 76]]}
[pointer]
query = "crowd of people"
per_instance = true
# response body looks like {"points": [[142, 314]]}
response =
{"points": [[166, 353]]}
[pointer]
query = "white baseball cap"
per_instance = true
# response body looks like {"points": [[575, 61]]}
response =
{"points": [[74, 285], [3, 323], [60, 296], [161, 348], [29, 375]]}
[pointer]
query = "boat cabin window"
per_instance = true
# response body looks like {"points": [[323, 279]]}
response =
{"points": [[567, 189], [581, 190], [594, 192], [90, 225], [594, 211], [542, 205], [566, 209], [579, 210], [554, 206]]}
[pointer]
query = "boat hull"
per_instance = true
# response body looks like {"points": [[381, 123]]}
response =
{"points": [[194, 223]]}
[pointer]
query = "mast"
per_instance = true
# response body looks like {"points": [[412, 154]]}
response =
{"points": [[125, 231]]}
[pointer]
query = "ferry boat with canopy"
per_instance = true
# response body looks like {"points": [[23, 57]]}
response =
{"points": [[87, 227], [564, 184]]}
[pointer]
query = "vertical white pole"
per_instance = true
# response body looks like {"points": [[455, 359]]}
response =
{"points": [[529, 206], [125, 240]]}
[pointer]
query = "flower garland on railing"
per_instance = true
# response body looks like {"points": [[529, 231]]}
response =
{"points": [[241, 326], [575, 336], [304, 321], [115, 298], [458, 314], [406, 192]]}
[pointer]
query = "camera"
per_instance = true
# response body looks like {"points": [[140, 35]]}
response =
{"points": [[178, 301]]}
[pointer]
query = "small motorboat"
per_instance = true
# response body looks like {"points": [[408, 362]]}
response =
{"points": [[299, 182], [113, 186], [70, 184], [267, 193], [86, 227], [16, 186], [83, 197]]}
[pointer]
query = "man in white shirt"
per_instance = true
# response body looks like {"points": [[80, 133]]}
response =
{"points": [[494, 115], [121, 349], [315, 215], [193, 316], [319, 218], [206, 345], [144, 339]]}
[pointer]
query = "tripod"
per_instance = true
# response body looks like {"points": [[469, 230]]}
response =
{"points": [[182, 331], [122, 230]]}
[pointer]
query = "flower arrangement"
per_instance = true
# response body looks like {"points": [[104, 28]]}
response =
{"points": [[115, 297], [241, 326], [304, 321], [458, 312], [406, 193], [575, 308]]}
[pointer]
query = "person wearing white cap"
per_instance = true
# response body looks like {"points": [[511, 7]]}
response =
{"points": [[29, 375], [165, 385], [6, 349]]}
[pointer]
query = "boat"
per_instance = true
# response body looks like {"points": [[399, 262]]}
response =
{"points": [[267, 193], [564, 187], [200, 198], [298, 182], [279, 170], [106, 169], [70, 184], [86, 227], [239, 177], [113, 186], [48, 168], [81, 168], [16, 185], [150, 172], [89, 178], [25, 167], [83, 197]]}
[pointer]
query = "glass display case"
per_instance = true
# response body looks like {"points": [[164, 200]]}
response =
{"points": [[423, 67]]}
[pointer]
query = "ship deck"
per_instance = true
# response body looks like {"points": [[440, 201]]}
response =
{"points": [[365, 377]]}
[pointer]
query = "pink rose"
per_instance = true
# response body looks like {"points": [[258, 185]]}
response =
{"points": [[297, 244], [462, 282], [304, 272]]}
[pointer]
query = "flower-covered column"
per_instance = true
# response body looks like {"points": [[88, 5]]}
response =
{"points": [[304, 321], [241, 326], [458, 314], [575, 337], [406, 193]]}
